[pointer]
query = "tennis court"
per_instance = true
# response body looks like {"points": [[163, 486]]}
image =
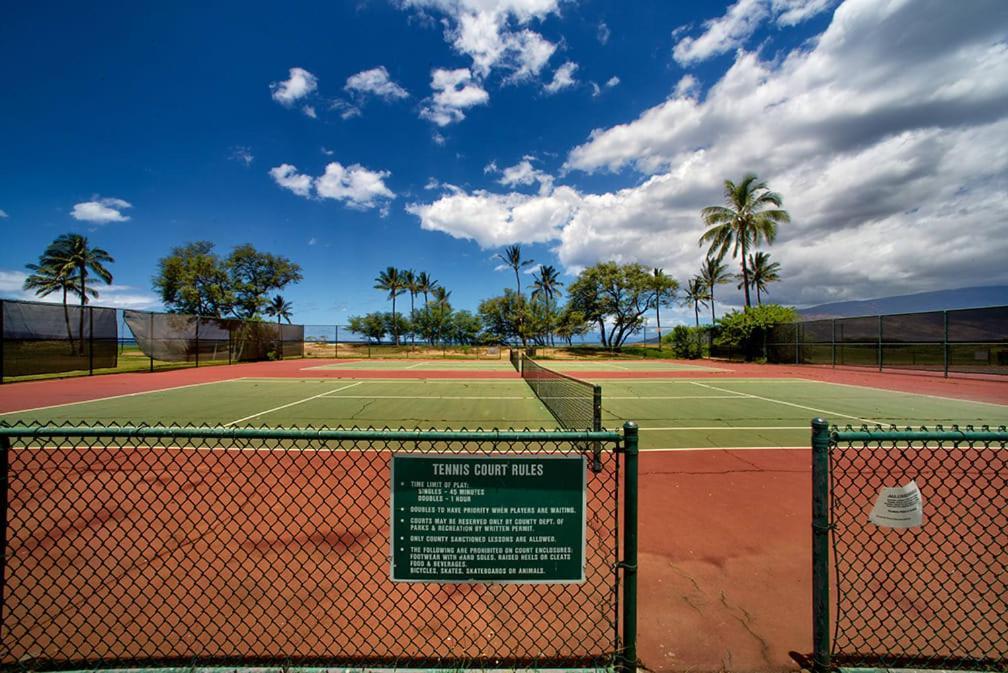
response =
{"points": [[724, 476]]}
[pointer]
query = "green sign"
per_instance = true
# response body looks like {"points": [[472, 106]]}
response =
{"points": [[479, 518]]}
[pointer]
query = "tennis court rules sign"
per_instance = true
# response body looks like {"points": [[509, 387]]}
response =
{"points": [[480, 518]]}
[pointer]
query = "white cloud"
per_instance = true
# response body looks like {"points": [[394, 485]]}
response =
{"points": [[438, 138], [297, 86], [355, 185], [101, 211], [114, 296], [3, 214], [287, 176], [493, 220], [731, 31], [562, 78], [327, 152], [495, 33], [432, 183], [885, 148], [722, 34], [376, 82], [312, 241], [612, 81], [11, 281], [454, 91], [309, 111], [524, 173], [596, 89], [603, 33]]}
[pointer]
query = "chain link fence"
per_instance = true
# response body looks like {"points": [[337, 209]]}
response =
{"points": [[918, 581], [188, 546]]}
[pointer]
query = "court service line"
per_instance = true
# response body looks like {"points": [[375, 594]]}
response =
{"points": [[903, 392], [117, 397], [422, 397], [419, 364], [673, 397], [790, 404], [291, 404]]}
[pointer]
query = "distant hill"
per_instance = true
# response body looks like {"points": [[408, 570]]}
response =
{"points": [[966, 297]]}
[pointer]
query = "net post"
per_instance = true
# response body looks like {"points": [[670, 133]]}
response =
{"points": [[820, 545], [945, 343], [627, 660], [90, 340]]}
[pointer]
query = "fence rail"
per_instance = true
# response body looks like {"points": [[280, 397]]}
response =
{"points": [[913, 525], [193, 546]]}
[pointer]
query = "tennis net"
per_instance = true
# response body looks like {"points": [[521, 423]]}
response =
{"points": [[575, 404]]}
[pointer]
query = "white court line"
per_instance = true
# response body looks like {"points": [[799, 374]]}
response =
{"points": [[291, 404], [733, 427], [790, 404], [674, 397], [903, 392], [419, 364], [422, 397], [117, 397]]}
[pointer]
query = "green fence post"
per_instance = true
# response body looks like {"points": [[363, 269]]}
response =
{"points": [[4, 485], [820, 545], [151, 337], [1, 357], [90, 340], [628, 660]]}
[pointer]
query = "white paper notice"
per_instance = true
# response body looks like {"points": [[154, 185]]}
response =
{"points": [[898, 507]]}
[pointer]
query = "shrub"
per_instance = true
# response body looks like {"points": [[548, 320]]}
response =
{"points": [[688, 343], [747, 330]]}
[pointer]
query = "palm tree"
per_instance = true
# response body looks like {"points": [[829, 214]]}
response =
{"points": [[512, 257], [662, 285], [547, 284], [747, 219], [73, 252], [763, 271], [696, 294], [47, 277], [713, 272], [281, 308], [425, 284], [412, 286], [391, 280]]}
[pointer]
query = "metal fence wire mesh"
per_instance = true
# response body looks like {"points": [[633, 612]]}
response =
{"points": [[196, 546], [576, 404], [934, 596]]}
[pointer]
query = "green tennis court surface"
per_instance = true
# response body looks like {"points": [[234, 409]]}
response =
{"points": [[673, 414]]}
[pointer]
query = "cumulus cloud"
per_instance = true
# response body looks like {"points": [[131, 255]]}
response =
{"points": [[612, 81], [100, 211], [297, 86], [355, 186], [495, 34], [522, 173], [563, 78], [287, 176], [454, 91], [729, 32], [375, 82], [115, 296], [884, 147]]}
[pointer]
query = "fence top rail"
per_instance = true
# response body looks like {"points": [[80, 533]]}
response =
{"points": [[157, 431], [984, 433]]}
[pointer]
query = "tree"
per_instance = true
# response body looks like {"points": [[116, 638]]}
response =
{"points": [[744, 222], [763, 271], [665, 289], [50, 276], [748, 329], [371, 326], [192, 279], [547, 284], [281, 308], [410, 285], [696, 294], [512, 257], [501, 317], [713, 272], [572, 323], [425, 284], [253, 274], [391, 280], [72, 254], [616, 294]]}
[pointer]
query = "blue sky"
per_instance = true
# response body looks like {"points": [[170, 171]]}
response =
{"points": [[429, 134]]}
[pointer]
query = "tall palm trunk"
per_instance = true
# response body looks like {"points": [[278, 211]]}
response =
{"points": [[395, 323], [83, 297], [696, 312], [712, 318], [412, 315], [745, 276], [657, 310], [66, 316]]}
